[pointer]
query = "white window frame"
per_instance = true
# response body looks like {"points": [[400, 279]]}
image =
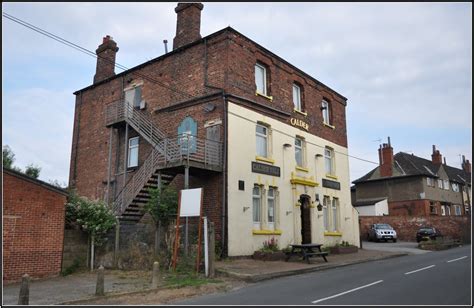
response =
{"points": [[271, 196], [440, 183], [301, 149], [335, 214], [131, 148], [330, 158], [131, 95], [257, 224], [455, 187], [325, 112], [297, 97], [264, 70], [264, 137], [430, 182], [326, 203], [443, 210], [446, 184], [433, 206]]}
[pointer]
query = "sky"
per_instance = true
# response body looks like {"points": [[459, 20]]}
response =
{"points": [[405, 68]]}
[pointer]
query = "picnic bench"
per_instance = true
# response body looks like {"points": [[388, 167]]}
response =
{"points": [[307, 251]]}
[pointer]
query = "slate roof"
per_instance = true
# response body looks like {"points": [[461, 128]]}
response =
{"points": [[405, 165]]}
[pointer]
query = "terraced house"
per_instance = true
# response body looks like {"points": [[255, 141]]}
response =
{"points": [[415, 186], [266, 141]]}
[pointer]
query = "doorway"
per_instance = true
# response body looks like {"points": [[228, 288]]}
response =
{"points": [[305, 219]]}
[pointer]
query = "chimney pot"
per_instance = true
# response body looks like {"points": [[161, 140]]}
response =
{"points": [[386, 160]]}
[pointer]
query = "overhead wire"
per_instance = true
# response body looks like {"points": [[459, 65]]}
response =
{"points": [[122, 67]]}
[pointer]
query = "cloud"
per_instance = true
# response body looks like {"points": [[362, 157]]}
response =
{"points": [[404, 67]]}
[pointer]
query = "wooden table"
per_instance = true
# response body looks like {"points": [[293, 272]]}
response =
{"points": [[307, 251]]}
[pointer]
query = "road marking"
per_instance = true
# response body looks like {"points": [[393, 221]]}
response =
{"points": [[421, 269], [457, 259], [339, 294]]}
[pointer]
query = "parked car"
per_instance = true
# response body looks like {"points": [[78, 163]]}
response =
{"points": [[425, 233], [382, 232]]}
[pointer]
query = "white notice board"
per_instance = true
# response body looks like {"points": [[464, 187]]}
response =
{"points": [[190, 202]]}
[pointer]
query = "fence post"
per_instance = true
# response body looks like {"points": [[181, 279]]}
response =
{"points": [[156, 273], [212, 250], [24, 297], [99, 288]]}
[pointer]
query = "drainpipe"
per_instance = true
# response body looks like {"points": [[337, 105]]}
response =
{"points": [[77, 140], [224, 151]]}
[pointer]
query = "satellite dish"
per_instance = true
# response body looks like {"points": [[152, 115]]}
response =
{"points": [[209, 107]]}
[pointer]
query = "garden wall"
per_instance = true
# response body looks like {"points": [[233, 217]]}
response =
{"points": [[456, 227]]}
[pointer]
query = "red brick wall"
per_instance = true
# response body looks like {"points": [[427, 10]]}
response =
{"points": [[33, 229], [456, 227], [409, 208]]}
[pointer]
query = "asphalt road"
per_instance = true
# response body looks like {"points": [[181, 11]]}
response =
{"points": [[436, 278]]}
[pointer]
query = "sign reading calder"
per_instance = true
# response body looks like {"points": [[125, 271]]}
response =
{"points": [[265, 169]]}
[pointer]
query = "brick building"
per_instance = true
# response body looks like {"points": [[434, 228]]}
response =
{"points": [[33, 227], [266, 141], [416, 186]]}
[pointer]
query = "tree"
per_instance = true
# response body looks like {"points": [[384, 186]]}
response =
{"points": [[8, 157], [94, 217], [162, 207], [33, 171]]}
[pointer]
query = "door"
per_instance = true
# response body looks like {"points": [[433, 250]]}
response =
{"points": [[305, 219]]}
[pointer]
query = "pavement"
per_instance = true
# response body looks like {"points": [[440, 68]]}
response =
{"points": [[399, 246], [81, 286]]}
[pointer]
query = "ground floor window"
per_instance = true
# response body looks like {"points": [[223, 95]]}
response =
{"points": [[326, 204], [271, 208], [433, 208], [335, 214], [457, 210], [133, 152], [257, 206]]}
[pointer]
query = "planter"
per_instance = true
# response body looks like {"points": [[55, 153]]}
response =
{"points": [[343, 249], [269, 256]]}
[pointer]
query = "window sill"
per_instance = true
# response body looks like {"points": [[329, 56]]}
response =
{"points": [[302, 169], [301, 112], [331, 176], [332, 233], [270, 98], [264, 159], [329, 125], [266, 232], [303, 181]]}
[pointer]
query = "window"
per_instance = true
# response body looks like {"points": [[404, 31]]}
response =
{"points": [[261, 79], [455, 187], [448, 210], [325, 111], [457, 210], [257, 206], [335, 214], [262, 140], [443, 211], [326, 203], [329, 160], [271, 208], [432, 208], [299, 151], [133, 152], [440, 183], [446, 184], [297, 97], [133, 96], [430, 182]]}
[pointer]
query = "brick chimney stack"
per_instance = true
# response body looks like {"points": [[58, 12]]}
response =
{"points": [[188, 25], [386, 159], [106, 53], [466, 165], [436, 157]]}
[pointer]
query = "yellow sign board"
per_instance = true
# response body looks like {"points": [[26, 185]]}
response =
{"points": [[299, 123]]}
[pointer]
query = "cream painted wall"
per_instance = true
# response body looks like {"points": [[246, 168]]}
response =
{"points": [[242, 151], [378, 209]]}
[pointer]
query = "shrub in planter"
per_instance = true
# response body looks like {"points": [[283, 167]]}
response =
{"points": [[269, 251], [342, 248]]}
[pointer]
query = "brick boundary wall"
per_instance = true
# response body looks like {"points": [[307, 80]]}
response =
{"points": [[33, 227], [456, 227]]}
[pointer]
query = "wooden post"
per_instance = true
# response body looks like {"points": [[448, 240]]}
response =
{"points": [[24, 297], [99, 287], [176, 243], [198, 259], [117, 243], [155, 276], [212, 250]]}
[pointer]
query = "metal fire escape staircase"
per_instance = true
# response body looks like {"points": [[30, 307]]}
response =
{"points": [[167, 155]]}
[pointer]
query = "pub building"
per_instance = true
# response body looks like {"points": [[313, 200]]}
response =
{"points": [[266, 141]]}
